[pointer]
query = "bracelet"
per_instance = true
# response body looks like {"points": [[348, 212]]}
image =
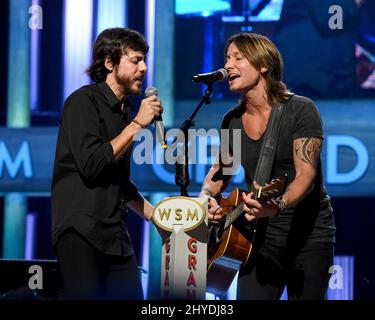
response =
{"points": [[138, 123], [281, 205], [209, 192]]}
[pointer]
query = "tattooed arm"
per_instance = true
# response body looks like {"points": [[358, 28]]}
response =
{"points": [[306, 152]]}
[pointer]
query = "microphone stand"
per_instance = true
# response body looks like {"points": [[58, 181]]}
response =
{"points": [[182, 169]]}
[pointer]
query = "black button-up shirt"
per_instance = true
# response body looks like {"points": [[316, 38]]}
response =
{"points": [[89, 187]]}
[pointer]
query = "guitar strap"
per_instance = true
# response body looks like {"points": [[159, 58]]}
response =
{"points": [[266, 158], [265, 164]]}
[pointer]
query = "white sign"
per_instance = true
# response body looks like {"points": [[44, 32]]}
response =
{"points": [[184, 250], [179, 211]]}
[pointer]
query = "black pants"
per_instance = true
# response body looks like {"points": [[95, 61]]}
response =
{"points": [[87, 273], [306, 274]]}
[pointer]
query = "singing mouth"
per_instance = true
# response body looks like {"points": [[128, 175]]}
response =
{"points": [[233, 76], [139, 79]]}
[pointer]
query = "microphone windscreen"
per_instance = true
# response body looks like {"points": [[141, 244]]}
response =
{"points": [[150, 91], [224, 74]]}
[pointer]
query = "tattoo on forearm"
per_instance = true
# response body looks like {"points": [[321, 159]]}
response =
{"points": [[308, 149]]}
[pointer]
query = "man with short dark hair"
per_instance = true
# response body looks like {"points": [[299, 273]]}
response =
{"points": [[91, 187]]}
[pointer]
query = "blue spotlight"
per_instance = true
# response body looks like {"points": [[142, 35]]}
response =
{"points": [[199, 7]]}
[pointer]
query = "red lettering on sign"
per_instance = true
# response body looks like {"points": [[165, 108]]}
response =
{"points": [[166, 280], [191, 280], [167, 245], [192, 262], [192, 245], [167, 262]]}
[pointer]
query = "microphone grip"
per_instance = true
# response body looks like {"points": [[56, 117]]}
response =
{"points": [[159, 118], [160, 132]]}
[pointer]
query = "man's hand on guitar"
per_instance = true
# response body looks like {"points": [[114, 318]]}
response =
{"points": [[254, 209], [215, 212]]}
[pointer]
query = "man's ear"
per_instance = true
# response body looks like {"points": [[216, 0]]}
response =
{"points": [[263, 69], [108, 64]]}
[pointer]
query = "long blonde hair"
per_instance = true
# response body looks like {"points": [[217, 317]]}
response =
{"points": [[261, 52]]}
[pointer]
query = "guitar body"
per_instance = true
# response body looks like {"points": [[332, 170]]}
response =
{"points": [[227, 254], [230, 242]]}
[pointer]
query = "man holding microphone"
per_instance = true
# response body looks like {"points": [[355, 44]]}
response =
{"points": [[91, 187]]}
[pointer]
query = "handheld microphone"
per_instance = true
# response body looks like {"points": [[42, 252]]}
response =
{"points": [[219, 75], [159, 125]]}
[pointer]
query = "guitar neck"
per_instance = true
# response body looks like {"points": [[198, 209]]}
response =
{"points": [[232, 216], [269, 191]]}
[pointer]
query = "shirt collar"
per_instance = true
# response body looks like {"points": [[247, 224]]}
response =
{"points": [[112, 98], [109, 94]]}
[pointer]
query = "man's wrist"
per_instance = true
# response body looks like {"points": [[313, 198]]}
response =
{"points": [[207, 192], [139, 123], [149, 219], [281, 204]]}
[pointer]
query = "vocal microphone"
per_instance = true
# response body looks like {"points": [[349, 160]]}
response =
{"points": [[219, 75], [159, 125]]}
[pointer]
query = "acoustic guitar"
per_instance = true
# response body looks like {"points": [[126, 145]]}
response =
{"points": [[231, 240]]}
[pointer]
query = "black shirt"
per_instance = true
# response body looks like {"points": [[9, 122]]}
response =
{"points": [[312, 218], [89, 187]]}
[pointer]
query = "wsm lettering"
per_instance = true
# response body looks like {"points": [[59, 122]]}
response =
{"points": [[179, 214]]}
